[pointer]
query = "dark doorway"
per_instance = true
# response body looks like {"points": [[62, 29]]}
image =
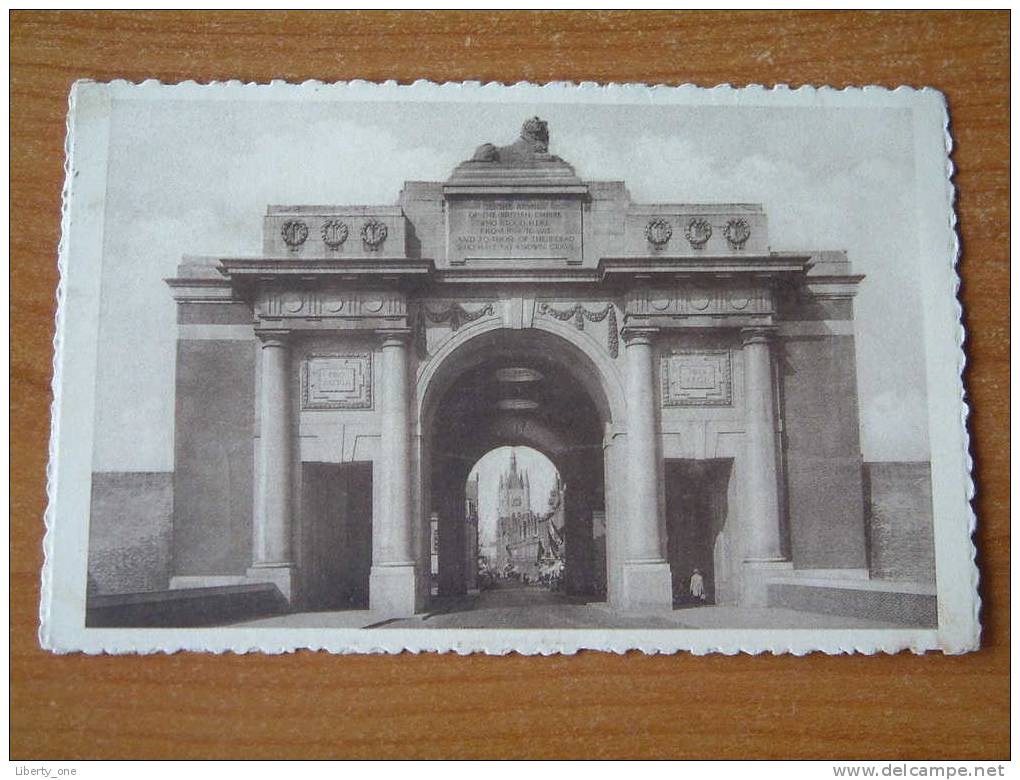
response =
{"points": [[337, 539], [695, 514]]}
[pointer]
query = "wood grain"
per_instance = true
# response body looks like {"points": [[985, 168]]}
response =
{"points": [[591, 705]]}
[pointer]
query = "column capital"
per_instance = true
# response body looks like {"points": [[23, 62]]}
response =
{"points": [[394, 337], [758, 334], [633, 335], [273, 338]]}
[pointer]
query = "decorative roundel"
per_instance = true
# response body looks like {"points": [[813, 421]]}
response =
{"points": [[372, 304], [294, 232], [739, 299], [334, 233], [737, 231], [293, 302], [698, 232], [658, 232], [333, 302], [373, 233], [699, 299]]}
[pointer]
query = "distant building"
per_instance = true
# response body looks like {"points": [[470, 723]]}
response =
{"points": [[527, 540], [487, 555], [471, 532]]}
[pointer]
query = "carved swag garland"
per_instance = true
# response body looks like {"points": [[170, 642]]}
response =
{"points": [[578, 313], [456, 315]]}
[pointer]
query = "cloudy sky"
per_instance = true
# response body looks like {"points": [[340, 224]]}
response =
{"points": [[190, 177]]}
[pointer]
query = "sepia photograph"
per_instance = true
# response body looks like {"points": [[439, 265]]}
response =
{"points": [[370, 368]]}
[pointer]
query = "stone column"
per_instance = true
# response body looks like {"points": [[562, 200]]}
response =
{"points": [[646, 577], [392, 580], [272, 556], [763, 551]]}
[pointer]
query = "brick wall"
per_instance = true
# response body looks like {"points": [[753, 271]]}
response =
{"points": [[214, 456], [129, 531], [899, 517], [822, 443]]}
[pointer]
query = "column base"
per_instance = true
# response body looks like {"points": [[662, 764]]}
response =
{"points": [[647, 585], [754, 589], [282, 575], [391, 590]]}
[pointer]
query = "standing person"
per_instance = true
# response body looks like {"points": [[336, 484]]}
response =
{"points": [[698, 586]]}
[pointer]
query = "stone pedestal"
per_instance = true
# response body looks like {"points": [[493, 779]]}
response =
{"points": [[763, 551], [392, 579], [647, 586], [272, 553], [646, 577], [282, 575], [391, 590], [756, 576]]}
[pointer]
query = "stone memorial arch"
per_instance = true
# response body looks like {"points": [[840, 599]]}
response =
{"points": [[696, 389]]}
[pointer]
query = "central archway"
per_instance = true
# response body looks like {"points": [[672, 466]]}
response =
{"points": [[516, 388]]}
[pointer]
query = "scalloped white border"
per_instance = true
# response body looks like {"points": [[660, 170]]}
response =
{"points": [[69, 469]]}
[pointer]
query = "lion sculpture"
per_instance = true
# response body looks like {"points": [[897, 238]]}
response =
{"points": [[534, 141]]}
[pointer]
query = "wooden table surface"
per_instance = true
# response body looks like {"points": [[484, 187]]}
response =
{"points": [[591, 705]]}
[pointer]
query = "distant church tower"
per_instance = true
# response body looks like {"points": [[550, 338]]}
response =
{"points": [[514, 491], [527, 540]]}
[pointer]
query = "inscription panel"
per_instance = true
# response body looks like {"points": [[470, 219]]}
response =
{"points": [[697, 378], [528, 228], [337, 381]]}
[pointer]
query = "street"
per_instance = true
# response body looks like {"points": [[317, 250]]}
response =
{"points": [[532, 606]]}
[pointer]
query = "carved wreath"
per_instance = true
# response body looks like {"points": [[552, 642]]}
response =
{"points": [[698, 232], [334, 233], [294, 232], [658, 232], [578, 314], [373, 233], [737, 231]]}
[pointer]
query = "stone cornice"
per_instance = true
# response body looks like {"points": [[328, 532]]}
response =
{"points": [[659, 265], [646, 269], [525, 187], [608, 268], [262, 268], [831, 287], [201, 290], [480, 275]]}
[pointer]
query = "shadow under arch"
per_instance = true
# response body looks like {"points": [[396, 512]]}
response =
{"points": [[590, 366], [465, 410]]}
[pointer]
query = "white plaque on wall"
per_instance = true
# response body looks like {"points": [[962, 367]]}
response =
{"points": [[337, 381], [697, 378]]}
